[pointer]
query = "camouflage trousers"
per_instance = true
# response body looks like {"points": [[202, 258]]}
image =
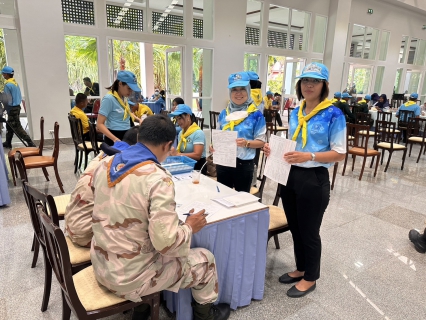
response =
{"points": [[198, 272], [14, 122]]}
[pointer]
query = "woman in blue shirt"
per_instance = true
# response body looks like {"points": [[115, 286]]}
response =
{"points": [[241, 115], [115, 114], [191, 139], [319, 129]]}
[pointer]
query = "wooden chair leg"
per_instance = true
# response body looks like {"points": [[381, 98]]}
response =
{"points": [[377, 165], [389, 159], [372, 161], [46, 174], [403, 159], [12, 169], [86, 158], [35, 255], [420, 153], [81, 159], [76, 161], [66, 311], [33, 245], [277, 242], [383, 155], [155, 308], [353, 161], [411, 147], [58, 178], [362, 168], [344, 165], [336, 166], [47, 282]]}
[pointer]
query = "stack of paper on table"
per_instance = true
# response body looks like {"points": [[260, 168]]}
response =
{"points": [[237, 200]]}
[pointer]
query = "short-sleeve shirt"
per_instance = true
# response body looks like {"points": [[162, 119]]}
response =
{"points": [[79, 114], [114, 113], [326, 131], [414, 107], [13, 95], [93, 91], [198, 137], [252, 128]]}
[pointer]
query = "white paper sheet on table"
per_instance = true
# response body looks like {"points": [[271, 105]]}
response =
{"points": [[182, 176], [225, 148], [211, 208], [239, 199], [276, 168]]}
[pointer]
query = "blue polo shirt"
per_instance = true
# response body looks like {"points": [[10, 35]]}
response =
{"points": [[13, 95], [414, 107], [198, 137], [114, 112], [326, 131], [252, 128]]}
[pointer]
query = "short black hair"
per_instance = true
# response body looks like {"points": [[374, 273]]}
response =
{"points": [[80, 97], [156, 130], [87, 79], [255, 84], [178, 101], [324, 91], [276, 94], [131, 136]]}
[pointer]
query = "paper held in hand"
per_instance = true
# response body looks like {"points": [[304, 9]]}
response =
{"points": [[225, 148], [239, 199], [276, 168]]}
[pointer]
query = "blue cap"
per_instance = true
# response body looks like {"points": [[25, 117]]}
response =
{"points": [[239, 79], [337, 94], [346, 95], [367, 97], [414, 95], [181, 109], [131, 103], [269, 92], [315, 70], [129, 78], [7, 69], [253, 75]]}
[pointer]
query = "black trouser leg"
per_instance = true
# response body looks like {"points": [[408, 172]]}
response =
{"points": [[305, 199], [279, 121], [118, 133], [239, 178], [14, 122]]}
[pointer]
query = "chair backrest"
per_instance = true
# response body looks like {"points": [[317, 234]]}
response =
{"points": [[277, 193], [385, 132], [200, 122], [416, 127], [93, 137], [404, 117], [76, 131], [20, 164], [363, 118], [384, 116], [55, 153], [213, 119], [290, 110], [41, 144], [96, 106], [357, 109], [353, 137], [269, 130]]}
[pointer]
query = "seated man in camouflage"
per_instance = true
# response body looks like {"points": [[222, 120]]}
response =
{"points": [[78, 213], [139, 246]]}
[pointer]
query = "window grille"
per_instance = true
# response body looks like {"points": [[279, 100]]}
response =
{"points": [[252, 36], [277, 39], [132, 19], [78, 11], [171, 24], [197, 28]]}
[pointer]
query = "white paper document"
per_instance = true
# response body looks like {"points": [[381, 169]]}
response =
{"points": [[239, 199], [182, 176], [225, 148], [211, 208], [276, 168]]}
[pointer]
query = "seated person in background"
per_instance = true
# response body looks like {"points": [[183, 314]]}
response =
{"points": [[177, 101], [78, 112], [410, 105], [155, 96], [418, 239], [276, 105], [78, 213], [140, 111], [267, 102], [363, 104], [191, 140], [92, 89], [344, 107], [139, 246], [374, 98], [381, 103], [337, 97]]}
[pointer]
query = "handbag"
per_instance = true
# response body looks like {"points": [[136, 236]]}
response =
{"points": [[211, 167]]}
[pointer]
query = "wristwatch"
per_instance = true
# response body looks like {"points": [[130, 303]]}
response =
{"points": [[313, 156], [247, 144]]}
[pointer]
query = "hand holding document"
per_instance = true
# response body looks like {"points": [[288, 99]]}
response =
{"points": [[225, 148], [211, 209], [276, 168]]}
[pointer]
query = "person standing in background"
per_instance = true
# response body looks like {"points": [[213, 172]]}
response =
{"points": [[92, 89]]}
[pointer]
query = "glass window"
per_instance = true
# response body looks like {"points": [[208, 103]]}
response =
{"points": [[379, 79], [293, 69], [82, 61], [299, 30], [203, 17], [317, 60], [278, 27], [251, 62], [202, 82], [412, 50], [364, 42], [7, 7], [275, 73], [403, 49], [319, 34], [397, 80], [78, 11], [357, 41], [384, 42], [253, 22], [423, 96], [412, 81], [359, 78], [421, 53], [370, 43], [169, 20]]}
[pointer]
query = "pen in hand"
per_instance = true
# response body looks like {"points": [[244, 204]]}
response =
{"points": [[188, 214], [217, 187]]}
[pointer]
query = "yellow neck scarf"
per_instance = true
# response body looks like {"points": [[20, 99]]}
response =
{"points": [[12, 81], [192, 128], [409, 103], [256, 95], [362, 101], [234, 123], [303, 120], [124, 105]]}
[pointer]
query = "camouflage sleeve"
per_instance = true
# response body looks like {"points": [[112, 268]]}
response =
{"points": [[168, 236]]}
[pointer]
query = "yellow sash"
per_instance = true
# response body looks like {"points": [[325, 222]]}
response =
{"points": [[192, 128], [303, 120], [234, 123], [12, 81], [362, 101], [125, 106], [256, 95], [409, 103]]}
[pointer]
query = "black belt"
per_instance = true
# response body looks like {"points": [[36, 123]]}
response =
{"points": [[244, 161]]}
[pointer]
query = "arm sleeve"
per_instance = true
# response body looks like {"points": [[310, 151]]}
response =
{"points": [[337, 133], [167, 235], [106, 107], [7, 96], [199, 137], [417, 111]]}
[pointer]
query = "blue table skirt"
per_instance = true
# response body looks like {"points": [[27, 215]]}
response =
{"points": [[239, 247], [4, 188], [155, 106]]}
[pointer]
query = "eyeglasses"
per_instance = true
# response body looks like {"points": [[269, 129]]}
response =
{"points": [[313, 81]]}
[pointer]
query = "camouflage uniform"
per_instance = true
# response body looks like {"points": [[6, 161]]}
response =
{"points": [[78, 213], [14, 121], [139, 245]]}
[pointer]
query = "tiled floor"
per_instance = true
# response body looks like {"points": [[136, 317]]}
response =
{"points": [[369, 268]]}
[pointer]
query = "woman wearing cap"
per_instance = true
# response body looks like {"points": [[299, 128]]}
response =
{"points": [[319, 129], [241, 115], [115, 114], [191, 140]]}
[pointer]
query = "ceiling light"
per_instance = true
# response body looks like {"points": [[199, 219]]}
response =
{"points": [[167, 10]]}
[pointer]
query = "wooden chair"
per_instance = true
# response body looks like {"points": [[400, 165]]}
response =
{"points": [[289, 111], [42, 162], [213, 119], [93, 116], [358, 146], [274, 114], [94, 138], [81, 292], [200, 122], [384, 116], [79, 257], [27, 152], [403, 119], [336, 167], [384, 139], [416, 134], [262, 158], [277, 218]]}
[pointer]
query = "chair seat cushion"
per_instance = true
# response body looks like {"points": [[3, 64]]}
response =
{"points": [[87, 143], [277, 217], [61, 203], [360, 151], [26, 152], [416, 139], [38, 161], [91, 293], [387, 130], [364, 132], [282, 128], [351, 137], [387, 145], [77, 254], [254, 190]]}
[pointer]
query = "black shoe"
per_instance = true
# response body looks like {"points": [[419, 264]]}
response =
{"points": [[144, 315], [220, 311], [31, 144], [7, 145], [293, 292], [210, 311], [285, 278], [418, 241]]}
